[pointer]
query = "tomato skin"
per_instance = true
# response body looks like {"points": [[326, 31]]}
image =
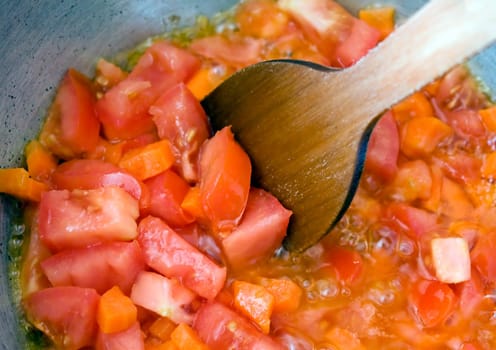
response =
{"points": [[66, 314], [415, 222], [84, 217], [131, 338], [99, 266], [222, 328], [167, 192], [260, 232], [74, 128], [87, 174], [432, 302], [346, 263], [225, 172], [123, 110], [180, 118], [383, 149], [168, 253]]}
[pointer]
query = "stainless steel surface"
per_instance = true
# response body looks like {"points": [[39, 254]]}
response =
{"points": [[40, 39]]}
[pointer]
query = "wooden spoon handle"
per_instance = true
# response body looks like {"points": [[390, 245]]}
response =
{"points": [[438, 36]]}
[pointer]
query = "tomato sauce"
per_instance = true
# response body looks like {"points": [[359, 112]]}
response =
{"points": [[145, 229]]}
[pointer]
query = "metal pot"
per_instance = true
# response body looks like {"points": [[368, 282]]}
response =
{"points": [[40, 40]]}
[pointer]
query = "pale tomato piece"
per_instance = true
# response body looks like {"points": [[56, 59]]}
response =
{"points": [[164, 296], [123, 110], [167, 192], [451, 259], [222, 328], [72, 127], [261, 18], [88, 174], [225, 172], [84, 217], [67, 315], [180, 118], [260, 231], [131, 338], [100, 266], [171, 255]]}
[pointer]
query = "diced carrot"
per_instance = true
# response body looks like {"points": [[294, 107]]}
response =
{"points": [[287, 294], [148, 161], [116, 311], [18, 183], [416, 105], [489, 166], [451, 259], [344, 339], [225, 297], [204, 81], [184, 337], [420, 136], [455, 202], [107, 151], [255, 302], [488, 117], [432, 203], [41, 163], [413, 181], [192, 203], [381, 18], [154, 344], [432, 87], [162, 328], [169, 345]]}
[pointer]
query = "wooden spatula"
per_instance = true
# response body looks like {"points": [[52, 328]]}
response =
{"points": [[305, 127]]}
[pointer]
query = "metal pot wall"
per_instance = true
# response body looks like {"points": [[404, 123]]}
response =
{"points": [[39, 40]]}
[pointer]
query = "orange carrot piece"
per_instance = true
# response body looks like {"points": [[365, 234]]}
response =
{"points": [[148, 161], [255, 302], [18, 183], [432, 87], [416, 105], [192, 203], [153, 345], [41, 162], [489, 166], [184, 337], [434, 200], [116, 311], [488, 117], [381, 18], [109, 152], [287, 294], [420, 136], [204, 81], [162, 328]]}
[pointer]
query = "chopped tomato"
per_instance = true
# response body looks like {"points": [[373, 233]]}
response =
{"points": [[222, 328], [412, 181], [130, 338], [180, 119], [383, 149], [66, 314], [72, 127], [40, 162], [17, 182], [461, 167], [225, 172], [255, 302], [455, 202], [260, 232], [84, 217], [88, 174], [167, 191], [466, 123], [108, 74], [168, 253], [233, 50], [483, 257], [470, 294], [100, 266], [414, 221], [432, 302], [346, 263], [166, 297], [261, 19], [123, 110]]}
